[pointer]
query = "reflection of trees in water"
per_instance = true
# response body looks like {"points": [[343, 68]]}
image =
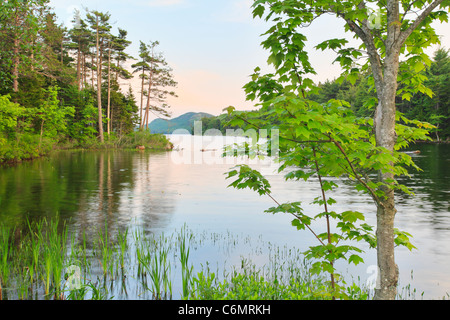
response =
{"points": [[87, 188], [430, 186], [116, 201], [152, 201]]}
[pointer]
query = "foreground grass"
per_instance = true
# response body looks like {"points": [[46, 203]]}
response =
{"points": [[47, 261]]}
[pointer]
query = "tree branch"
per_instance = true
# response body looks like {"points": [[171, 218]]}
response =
{"points": [[371, 191], [406, 33], [363, 32]]}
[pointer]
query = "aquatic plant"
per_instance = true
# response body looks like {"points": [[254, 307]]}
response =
{"points": [[186, 269]]}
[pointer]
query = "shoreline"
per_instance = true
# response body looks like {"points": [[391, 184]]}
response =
{"points": [[151, 143]]}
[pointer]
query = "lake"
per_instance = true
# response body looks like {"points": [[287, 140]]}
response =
{"points": [[162, 192]]}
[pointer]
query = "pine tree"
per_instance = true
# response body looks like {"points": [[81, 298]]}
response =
{"points": [[99, 23]]}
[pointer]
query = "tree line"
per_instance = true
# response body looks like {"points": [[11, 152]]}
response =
{"points": [[431, 104], [62, 85]]}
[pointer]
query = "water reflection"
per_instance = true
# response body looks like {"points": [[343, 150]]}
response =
{"points": [[90, 189], [431, 185]]}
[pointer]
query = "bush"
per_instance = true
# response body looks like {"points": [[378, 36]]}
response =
{"points": [[146, 139], [25, 146], [255, 287]]}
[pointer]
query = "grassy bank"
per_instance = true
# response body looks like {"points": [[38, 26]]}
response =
{"points": [[155, 142], [27, 147]]}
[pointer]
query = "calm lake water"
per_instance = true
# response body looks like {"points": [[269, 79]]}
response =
{"points": [[163, 192]]}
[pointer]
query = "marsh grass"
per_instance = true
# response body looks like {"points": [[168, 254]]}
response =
{"points": [[125, 263], [186, 269], [105, 251], [5, 251]]}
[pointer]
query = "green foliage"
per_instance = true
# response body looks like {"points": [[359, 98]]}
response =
{"points": [[144, 138], [328, 141], [83, 125], [251, 283], [255, 287], [25, 146], [429, 104], [49, 73], [51, 116], [322, 137], [9, 114]]}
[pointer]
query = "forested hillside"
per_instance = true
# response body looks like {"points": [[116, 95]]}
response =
{"points": [[185, 121], [62, 86]]}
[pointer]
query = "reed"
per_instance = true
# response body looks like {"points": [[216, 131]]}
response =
{"points": [[36, 240], [48, 270], [157, 265], [186, 270], [58, 244], [5, 252], [106, 251], [122, 239]]}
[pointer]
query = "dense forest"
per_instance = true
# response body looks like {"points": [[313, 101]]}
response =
{"points": [[428, 106], [63, 87]]}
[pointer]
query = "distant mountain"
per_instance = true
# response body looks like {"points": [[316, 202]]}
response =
{"points": [[185, 121]]}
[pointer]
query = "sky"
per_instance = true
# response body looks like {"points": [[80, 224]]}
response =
{"points": [[213, 46]]}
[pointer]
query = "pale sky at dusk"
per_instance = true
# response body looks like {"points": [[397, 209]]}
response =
{"points": [[212, 45]]}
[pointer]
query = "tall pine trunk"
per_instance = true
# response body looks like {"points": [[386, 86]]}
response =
{"points": [[108, 112], [147, 109], [16, 61], [141, 125], [99, 87], [79, 67]]}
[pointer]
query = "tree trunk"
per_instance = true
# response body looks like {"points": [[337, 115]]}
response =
{"points": [[85, 72], [386, 137], [15, 73], [108, 112], [149, 94], [79, 68], [147, 109], [92, 71], [16, 58], [99, 87], [142, 100]]}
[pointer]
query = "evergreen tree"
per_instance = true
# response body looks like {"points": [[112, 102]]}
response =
{"points": [[99, 23]]}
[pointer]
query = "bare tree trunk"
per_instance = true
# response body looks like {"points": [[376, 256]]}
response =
{"points": [[85, 72], [15, 74], [62, 50], [92, 74], [147, 109], [79, 68], [16, 58], [142, 100], [99, 87], [149, 94], [108, 112]]}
